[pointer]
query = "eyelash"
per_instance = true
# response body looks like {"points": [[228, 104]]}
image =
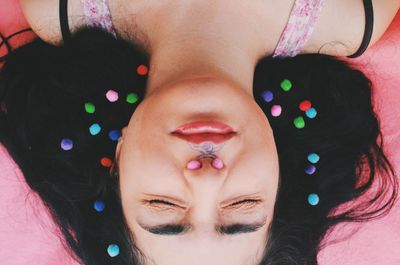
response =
{"points": [[242, 202], [158, 201]]}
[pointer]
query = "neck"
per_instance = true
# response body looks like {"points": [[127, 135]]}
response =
{"points": [[184, 55]]}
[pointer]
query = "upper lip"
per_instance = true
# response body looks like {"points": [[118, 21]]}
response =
{"points": [[199, 132]]}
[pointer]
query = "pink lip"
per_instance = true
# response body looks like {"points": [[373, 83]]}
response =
{"points": [[198, 132], [204, 127]]}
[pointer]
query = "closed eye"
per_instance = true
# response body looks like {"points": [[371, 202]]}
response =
{"points": [[247, 202], [163, 205]]}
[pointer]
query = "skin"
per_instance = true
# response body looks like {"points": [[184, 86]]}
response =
{"points": [[339, 30], [152, 165], [203, 57], [211, 79]]}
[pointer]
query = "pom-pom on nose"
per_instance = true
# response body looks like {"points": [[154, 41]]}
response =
{"points": [[193, 164], [217, 163]]}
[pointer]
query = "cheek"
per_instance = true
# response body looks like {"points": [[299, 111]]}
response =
{"points": [[260, 162], [138, 178], [258, 169], [266, 163], [138, 174]]}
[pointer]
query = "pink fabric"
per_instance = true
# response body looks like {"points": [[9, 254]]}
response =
{"points": [[28, 236], [302, 20], [377, 242], [97, 14], [27, 233], [12, 20]]}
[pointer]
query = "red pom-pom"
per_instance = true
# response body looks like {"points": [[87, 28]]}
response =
{"points": [[305, 105], [106, 162], [142, 69]]}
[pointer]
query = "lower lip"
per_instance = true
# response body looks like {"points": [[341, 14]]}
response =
{"points": [[202, 127]]}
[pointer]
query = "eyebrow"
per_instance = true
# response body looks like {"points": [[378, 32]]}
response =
{"points": [[181, 229]]}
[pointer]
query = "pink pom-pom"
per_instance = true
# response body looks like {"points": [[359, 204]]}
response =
{"points": [[193, 164], [112, 95], [217, 163], [276, 110]]}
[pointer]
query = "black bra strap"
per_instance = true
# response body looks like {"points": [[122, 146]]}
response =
{"points": [[369, 25], [66, 33]]}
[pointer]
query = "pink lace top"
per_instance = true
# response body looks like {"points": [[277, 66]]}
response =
{"points": [[301, 23], [302, 20], [97, 14]]}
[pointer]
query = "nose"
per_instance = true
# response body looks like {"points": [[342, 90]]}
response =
{"points": [[205, 185]]}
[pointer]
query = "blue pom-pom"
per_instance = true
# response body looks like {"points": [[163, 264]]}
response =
{"points": [[114, 135], [67, 144], [310, 170], [311, 113], [113, 250], [313, 199], [313, 158], [99, 205], [94, 129], [267, 96]]}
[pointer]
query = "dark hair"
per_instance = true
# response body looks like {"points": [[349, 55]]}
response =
{"points": [[43, 89], [346, 134]]}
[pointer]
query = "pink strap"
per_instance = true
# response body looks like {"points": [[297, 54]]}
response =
{"points": [[298, 30], [97, 14]]}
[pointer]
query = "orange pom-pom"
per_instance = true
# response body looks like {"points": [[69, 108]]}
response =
{"points": [[142, 69], [106, 162], [305, 105]]}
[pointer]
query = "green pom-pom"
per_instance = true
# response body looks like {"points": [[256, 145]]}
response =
{"points": [[286, 85], [299, 122], [89, 107], [132, 98]]}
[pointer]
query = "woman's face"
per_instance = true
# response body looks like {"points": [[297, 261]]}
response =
{"points": [[202, 221]]}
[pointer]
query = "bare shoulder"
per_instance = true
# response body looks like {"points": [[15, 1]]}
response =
{"points": [[341, 25], [43, 18]]}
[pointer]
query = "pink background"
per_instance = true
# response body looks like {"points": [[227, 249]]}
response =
{"points": [[28, 236]]}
